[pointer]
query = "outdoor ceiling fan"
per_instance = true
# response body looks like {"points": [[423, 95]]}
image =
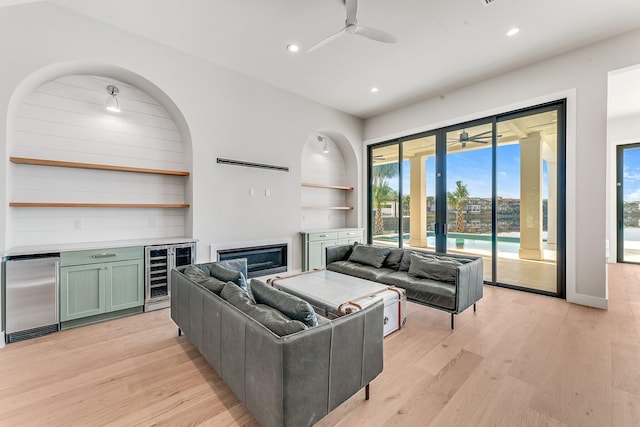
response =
{"points": [[464, 137], [351, 27]]}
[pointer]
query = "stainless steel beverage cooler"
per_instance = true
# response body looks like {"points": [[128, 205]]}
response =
{"points": [[158, 262], [31, 292]]}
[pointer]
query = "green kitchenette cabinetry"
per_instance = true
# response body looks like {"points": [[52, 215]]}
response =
{"points": [[314, 244], [102, 284]]}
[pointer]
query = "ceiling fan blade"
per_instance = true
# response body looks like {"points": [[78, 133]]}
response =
{"points": [[374, 34], [482, 133], [352, 10], [327, 40]]}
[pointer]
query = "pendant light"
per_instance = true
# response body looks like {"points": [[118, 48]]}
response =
{"points": [[112, 103]]}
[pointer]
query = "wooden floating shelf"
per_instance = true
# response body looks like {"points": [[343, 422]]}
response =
{"points": [[333, 187], [343, 208], [57, 163], [98, 205]]}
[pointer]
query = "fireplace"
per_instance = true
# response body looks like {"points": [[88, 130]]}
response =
{"points": [[261, 260]]}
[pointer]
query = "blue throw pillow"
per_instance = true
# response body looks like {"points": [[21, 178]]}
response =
{"points": [[228, 275]]}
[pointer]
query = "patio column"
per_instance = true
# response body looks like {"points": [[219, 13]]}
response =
{"points": [[418, 202], [531, 197]]}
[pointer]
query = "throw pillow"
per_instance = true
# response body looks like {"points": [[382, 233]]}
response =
{"points": [[227, 275], [406, 260], [274, 320], [271, 318], [369, 255], [235, 264], [394, 258], [290, 305], [235, 296], [433, 268]]}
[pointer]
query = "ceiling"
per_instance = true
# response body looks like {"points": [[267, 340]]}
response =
{"points": [[441, 45]]}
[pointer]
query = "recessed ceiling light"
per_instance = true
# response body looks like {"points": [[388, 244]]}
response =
{"points": [[513, 31], [292, 47], [374, 89]]}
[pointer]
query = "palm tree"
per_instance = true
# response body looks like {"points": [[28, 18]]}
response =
{"points": [[457, 199], [381, 192]]}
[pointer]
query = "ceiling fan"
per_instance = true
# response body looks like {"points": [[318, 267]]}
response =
{"points": [[464, 137], [351, 27]]}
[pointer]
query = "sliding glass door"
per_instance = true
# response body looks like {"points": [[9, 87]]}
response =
{"points": [[384, 194], [492, 188], [628, 182], [469, 192], [419, 192], [527, 210]]}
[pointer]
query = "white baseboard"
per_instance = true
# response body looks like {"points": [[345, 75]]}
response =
{"points": [[589, 301]]}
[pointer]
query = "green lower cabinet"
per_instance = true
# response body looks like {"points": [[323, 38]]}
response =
{"points": [[123, 288], [317, 253], [96, 290], [82, 291]]}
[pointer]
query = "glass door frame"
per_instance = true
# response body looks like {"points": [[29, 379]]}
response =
{"points": [[620, 201], [441, 187]]}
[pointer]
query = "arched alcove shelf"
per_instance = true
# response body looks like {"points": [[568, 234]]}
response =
{"points": [[78, 172], [327, 191]]}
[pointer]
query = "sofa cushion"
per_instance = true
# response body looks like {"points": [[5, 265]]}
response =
{"points": [[290, 305], [425, 291], [369, 255], [271, 318], [393, 259], [227, 274], [406, 260], [434, 268], [197, 275], [359, 270]]}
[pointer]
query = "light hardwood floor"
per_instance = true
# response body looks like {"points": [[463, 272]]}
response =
{"points": [[521, 360]]}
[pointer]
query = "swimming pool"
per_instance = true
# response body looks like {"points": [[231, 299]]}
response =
{"points": [[477, 243]]}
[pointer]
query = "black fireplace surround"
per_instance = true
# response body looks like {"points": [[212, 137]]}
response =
{"points": [[261, 260]]}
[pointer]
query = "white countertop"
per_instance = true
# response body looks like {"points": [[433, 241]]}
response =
{"points": [[324, 230], [79, 246]]}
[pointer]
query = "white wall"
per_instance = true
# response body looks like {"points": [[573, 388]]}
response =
{"points": [[227, 114], [581, 77]]}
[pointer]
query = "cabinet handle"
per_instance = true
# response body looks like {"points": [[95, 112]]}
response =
{"points": [[104, 255], [323, 235]]}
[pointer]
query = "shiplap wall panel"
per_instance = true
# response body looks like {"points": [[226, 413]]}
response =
{"points": [[327, 169], [88, 225], [65, 120]]}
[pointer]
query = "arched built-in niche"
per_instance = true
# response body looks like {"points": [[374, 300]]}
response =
{"points": [[329, 182], [79, 173]]}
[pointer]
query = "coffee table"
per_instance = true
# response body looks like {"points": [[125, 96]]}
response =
{"points": [[335, 294]]}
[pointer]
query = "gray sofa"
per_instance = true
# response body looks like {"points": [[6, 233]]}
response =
{"points": [[291, 380], [447, 282]]}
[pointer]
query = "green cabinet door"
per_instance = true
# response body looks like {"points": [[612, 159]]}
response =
{"points": [[124, 285], [317, 256], [82, 291]]}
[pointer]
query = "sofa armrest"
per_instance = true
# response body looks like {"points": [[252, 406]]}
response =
{"points": [[344, 355], [469, 283], [338, 253]]}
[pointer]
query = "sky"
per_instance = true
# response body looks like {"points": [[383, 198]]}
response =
{"points": [[631, 175], [473, 168]]}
